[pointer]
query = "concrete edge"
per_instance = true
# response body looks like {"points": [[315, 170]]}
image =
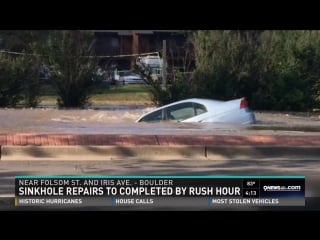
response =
{"points": [[259, 152], [147, 152], [29, 153]]}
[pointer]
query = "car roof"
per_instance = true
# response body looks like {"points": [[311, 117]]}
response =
{"points": [[209, 103]]}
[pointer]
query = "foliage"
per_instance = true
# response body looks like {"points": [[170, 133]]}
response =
{"points": [[19, 78], [22, 40], [274, 70], [10, 84], [177, 90], [28, 72], [73, 72], [180, 87], [19, 81]]}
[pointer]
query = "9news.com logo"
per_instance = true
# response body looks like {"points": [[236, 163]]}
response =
{"points": [[270, 188]]}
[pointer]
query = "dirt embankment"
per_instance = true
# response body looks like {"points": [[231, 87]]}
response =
{"points": [[290, 118]]}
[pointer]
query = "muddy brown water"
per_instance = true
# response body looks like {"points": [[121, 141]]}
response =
{"points": [[121, 120]]}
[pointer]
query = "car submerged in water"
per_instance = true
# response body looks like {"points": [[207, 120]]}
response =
{"points": [[202, 110]]}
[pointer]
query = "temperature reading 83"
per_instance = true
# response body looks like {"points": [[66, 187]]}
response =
{"points": [[251, 183]]}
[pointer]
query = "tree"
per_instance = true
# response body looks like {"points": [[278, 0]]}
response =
{"points": [[73, 71], [19, 80], [227, 64], [22, 40], [10, 84], [274, 70]]}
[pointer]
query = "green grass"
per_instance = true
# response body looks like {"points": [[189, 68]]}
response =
{"points": [[122, 89], [114, 95]]}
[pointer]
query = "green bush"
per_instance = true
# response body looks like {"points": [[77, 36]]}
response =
{"points": [[178, 89], [274, 70], [73, 72], [28, 69], [10, 84], [19, 81]]}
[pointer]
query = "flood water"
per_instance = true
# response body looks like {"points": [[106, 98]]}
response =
{"points": [[121, 120]]}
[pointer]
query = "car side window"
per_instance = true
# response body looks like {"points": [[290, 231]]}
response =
{"points": [[180, 111], [199, 108], [156, 116]]}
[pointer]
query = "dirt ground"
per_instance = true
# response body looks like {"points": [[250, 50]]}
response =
{"points": [[305, 119]]}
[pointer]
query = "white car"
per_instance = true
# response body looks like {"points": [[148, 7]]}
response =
{"points": [[202, 110], [128, 77]]}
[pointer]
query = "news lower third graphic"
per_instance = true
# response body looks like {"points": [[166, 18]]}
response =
{"points": [[159, 191]]}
